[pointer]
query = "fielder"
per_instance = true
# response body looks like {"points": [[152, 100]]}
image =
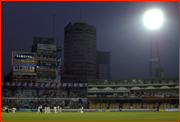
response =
{"points": [[38, 110], [13, 110], [58, 110], [55, 110], [45, 109], [82, 110], [48, 110]]}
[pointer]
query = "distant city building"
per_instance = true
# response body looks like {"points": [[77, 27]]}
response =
{"points": [[48, 60], [80, 52], [103, 65]]}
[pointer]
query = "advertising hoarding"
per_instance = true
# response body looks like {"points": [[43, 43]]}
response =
{"points": [[47, 59], [24, 58], [18, 73], [23, 69], [45, 69], [44, 80], [42, 40], [58, 66], [46, 47], [46, 64], [45, 53]]}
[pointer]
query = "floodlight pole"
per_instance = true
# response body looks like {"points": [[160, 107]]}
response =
{"points": [[159, 65], [150, 62]]}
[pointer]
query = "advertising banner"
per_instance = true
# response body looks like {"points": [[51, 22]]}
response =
{"points": [[46, 47], [44, 53], [46, 75], [45, 69], [23, 69], [24, 58], [58, 66], [17, 73], [44, 80], [175, 109], [46, 64], [47, 59]]}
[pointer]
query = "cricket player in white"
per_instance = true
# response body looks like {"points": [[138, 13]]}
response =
{"points": [[48, 110], [58, 110], [38, 110], [82, 109], [13, 110], [55, 110]]}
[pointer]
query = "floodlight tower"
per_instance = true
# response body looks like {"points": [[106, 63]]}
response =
{"points": [[153, 19]]}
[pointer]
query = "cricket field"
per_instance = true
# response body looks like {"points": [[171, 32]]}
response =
{"points": [[91, 116]]}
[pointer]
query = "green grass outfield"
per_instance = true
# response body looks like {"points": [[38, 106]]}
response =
{"points": [[92, 116]]}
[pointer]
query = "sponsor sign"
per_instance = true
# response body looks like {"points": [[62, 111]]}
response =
{"points": [[44, 53], [46, 64], [24, 58], [17, 73], [46, 47], [46, 75], [44, 80], [47, 59], [172, 109], [45, 69], [23, 69], [58, 66]]}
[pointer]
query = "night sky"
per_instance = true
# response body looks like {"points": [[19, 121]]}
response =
{"points": [[119, 25]]}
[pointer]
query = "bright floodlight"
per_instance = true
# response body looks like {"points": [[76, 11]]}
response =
{"points": [[153, 19]]}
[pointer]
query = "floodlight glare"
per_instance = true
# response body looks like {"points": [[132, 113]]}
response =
{"points": [[153, 19]]}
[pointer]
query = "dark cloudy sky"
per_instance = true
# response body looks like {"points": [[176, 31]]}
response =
{"points": [[120, 30]]}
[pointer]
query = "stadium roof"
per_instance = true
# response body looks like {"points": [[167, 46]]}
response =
{"points": [[130, 79], [135, 88], [165, 87], [108, 88], [94, 88], [121, 88], [176, 87], [150, 87]]}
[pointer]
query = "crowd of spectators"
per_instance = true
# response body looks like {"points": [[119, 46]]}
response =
{"points": [[6, 93], [78, 94]]}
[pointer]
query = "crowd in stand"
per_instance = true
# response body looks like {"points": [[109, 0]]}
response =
{"points": [[44, 94], [77, 94], [6, 93]]}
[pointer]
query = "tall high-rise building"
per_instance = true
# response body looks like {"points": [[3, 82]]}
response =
{"points": [[80, 51], [103, 65]]}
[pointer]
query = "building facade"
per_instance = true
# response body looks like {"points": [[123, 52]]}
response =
{"points": [[48, 60], [103, 65], [80, 51]]}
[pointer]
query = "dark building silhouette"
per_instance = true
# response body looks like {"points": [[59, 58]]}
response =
{"points": [[79, 52], [103, 65]]}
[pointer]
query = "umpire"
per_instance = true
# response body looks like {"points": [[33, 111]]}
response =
{"points": [[41, 108], [6, 110]]}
